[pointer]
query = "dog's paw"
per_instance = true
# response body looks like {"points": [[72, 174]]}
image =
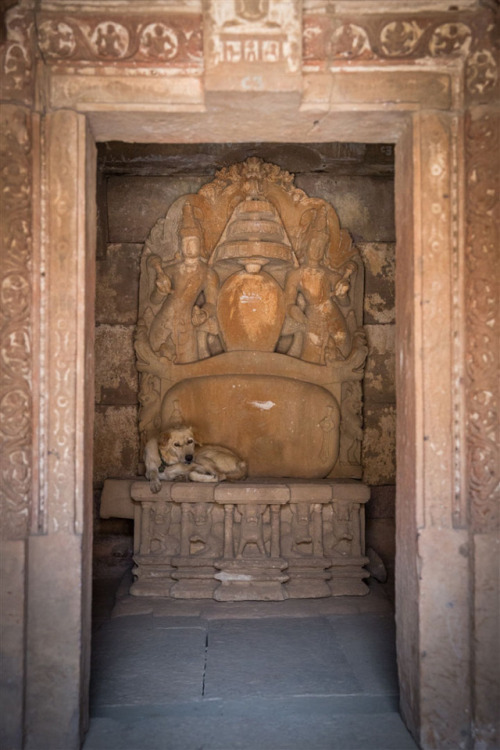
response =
{"points": [[155, 485]]}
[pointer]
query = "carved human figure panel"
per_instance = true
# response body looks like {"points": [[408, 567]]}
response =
{"points": [[180, 328], [314, 295]]}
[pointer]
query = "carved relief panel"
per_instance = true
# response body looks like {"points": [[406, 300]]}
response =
{"points": [[250, 325]]}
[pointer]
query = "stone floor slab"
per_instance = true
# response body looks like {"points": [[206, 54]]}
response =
{"points": [[368, 643], [276, 657], [141, 660], [250, 725]]}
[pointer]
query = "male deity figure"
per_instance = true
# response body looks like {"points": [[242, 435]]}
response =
{"points": [[180, 329], [313, 293]]}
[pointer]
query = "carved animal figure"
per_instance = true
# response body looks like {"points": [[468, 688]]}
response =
{"points": [[176, 453], [251, 528]]}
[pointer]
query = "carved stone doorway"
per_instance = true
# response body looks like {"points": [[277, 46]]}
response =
{"points": [[442, 115], [66, 140]]}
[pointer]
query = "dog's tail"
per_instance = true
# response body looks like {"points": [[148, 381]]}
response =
{"points": [[199, 476]]}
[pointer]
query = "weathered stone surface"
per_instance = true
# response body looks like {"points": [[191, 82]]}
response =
{"points": [[382, 502], [135, 203], [379, 445], [321, 91], [116, 442], [378, 384], [117, 286], [202, 158], [115, 372], [381, 536], [379, 259], [55, 642], [115, 500], [12, 643], [248, 540], [267, 420], [445, 670], [486, 550], [364, 204]]}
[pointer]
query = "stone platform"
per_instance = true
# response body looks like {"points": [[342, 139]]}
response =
{"points": [[262, 540]]}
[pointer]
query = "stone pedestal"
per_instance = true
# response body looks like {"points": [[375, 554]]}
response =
{"points": [[194, 578], [254, 540], [347, 577], [257, 579], [153, 577], [308, 578]]}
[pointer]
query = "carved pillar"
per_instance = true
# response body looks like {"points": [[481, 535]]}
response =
{"points": [[434, 687], [146, 528], [482, 147], [185, 529], [59, 585], [228, 530], [275, 530], [16, 402], [19, 190]]}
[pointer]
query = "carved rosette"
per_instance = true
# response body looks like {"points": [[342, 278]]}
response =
{"points": [[482, 355], [15, 341]]}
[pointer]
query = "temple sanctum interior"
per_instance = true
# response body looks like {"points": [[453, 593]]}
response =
{"points": [[249, 396]]}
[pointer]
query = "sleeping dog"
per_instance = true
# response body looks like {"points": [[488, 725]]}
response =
{"points": [[176, 454]]}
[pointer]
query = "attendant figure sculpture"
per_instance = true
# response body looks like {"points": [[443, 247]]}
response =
{"points": [[180, 329], [313, 293]]}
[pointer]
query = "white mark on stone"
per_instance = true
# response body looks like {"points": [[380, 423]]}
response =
{"points": [[232, 577], [264, 405]]}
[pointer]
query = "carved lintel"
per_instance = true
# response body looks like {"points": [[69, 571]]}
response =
{"points": [[467, 39]]}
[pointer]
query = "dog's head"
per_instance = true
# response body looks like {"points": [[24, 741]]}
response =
{"points": [[177, 445]]}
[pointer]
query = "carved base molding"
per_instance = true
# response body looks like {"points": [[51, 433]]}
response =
{"points": [[265, 541]]}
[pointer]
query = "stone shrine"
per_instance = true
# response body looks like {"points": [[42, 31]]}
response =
{"points": [[422, 76], [250, 332]]}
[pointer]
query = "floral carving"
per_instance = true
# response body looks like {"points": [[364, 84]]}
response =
{"points": [[15, 338], [481, 72], [482, 320], [450, 39], [16, 57], [400, 38]]}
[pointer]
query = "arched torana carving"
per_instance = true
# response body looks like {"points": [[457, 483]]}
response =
{"points": [[250, 323]]}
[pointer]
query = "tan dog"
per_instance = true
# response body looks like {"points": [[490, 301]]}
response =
{"points": [[176, 454]]}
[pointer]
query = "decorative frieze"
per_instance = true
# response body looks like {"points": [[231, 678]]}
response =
{"points": [[141, 40], [248, 541], [334, 40], [15, 336]]}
